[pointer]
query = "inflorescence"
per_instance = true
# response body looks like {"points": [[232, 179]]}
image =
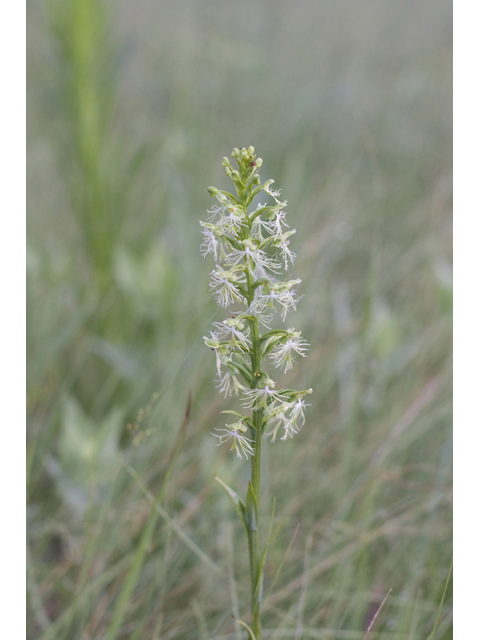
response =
{"points": [[251, 249]]}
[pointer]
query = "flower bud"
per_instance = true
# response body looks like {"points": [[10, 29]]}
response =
{"points": [[228, 171], [259, 162], [213, 191], [235, 153], [256, 180], [225, 162], [244, 154], [251, 150]]}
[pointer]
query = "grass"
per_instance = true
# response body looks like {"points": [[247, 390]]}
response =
{"points": [[129, 112]]}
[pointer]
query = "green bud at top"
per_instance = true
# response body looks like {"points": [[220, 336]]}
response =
{"points": [[225, 162], [213, 191], [244, 154], [251, 150], [259, 162], [235, 153]]}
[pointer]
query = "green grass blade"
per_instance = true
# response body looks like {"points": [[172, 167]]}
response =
{"points": [[437, 619]]}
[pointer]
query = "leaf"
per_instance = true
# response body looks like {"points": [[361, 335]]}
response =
{"points": [[243, 418], [242, 369], [238, 503], [252, 635], [234, 413]]}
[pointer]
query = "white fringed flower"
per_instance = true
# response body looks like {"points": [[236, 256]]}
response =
{"points": [[296, 415], [233, 329], [253, 256], [228, 216], [258, 224], [277, 292], [277, 224], [224, 285], [230, 385], [275, 193], [257, 257], [282, 355], [221, 354], [279, 419], [290, 417], [210, 243], [241, 444], [263, 397], [287, 253], [283, 244]]}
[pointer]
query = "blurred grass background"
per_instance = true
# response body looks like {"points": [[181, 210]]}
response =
{"points": [[130, 108]]}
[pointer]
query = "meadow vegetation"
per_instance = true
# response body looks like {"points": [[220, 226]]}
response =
{"points": [[131, 105]]}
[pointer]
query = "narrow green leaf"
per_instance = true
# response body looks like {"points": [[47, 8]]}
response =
{"points": [[238, 503], [243, 418], [266, 242], [234, 413], [252, 635], [230, 195], [273, 332], [258, 283], [242, 369]]}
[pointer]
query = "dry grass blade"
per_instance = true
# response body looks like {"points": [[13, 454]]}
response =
{"points": [[287, 553], [174, 525], [303, 594], [344, 553], [425, 396], [376, 614]]}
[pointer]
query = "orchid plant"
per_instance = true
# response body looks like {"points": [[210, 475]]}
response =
{"points": [[251, 247]]}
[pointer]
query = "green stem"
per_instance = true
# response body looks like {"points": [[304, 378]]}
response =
{"points": [[257, 420], [256, 599]]}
